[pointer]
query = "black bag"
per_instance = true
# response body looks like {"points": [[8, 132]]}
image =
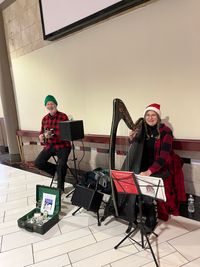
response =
{"points": [[97, 179]]}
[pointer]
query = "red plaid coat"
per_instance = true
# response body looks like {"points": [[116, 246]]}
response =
{"points": [[51, 122], [168, 165]]}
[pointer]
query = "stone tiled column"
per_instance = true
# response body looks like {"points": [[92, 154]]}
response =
{"points": [[7, 97]]}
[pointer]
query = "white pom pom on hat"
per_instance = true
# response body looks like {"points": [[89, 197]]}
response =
{"points": [[154, 107]]}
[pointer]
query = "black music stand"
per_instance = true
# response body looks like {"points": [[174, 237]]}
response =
{"points": [[126, 182]]}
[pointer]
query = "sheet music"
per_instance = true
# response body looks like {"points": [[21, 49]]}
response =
{"points": [[151, 186]]}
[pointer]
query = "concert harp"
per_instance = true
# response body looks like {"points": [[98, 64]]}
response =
{"points": [[133, 157]]}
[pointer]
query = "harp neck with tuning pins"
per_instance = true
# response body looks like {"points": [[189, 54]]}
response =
{"points": [[120, 112]]}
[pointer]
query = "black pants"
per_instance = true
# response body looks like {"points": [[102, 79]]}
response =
{"points": [[42, 163]]}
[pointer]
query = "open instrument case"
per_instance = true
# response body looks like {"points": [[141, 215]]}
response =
{"points": [[53, 206]]}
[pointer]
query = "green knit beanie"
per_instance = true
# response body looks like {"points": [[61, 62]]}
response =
{"points": [[50, 98]]}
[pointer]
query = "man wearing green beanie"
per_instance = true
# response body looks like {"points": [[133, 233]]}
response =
{"points": [[51, 99], [53, 145]]}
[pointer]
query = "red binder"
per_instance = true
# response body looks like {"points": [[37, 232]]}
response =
{"points": [[124, 182]]}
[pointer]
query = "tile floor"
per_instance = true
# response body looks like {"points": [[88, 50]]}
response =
{"points": [[77, 241]]}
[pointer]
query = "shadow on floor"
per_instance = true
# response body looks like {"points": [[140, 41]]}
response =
{"points": [[28, 166]]}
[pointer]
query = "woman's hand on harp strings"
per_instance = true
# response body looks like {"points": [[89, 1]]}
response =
{"points": [[133, 134]]}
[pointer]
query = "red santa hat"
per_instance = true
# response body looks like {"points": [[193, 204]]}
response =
{"points": [[154, 107]]}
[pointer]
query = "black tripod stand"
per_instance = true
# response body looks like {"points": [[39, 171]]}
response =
{"points": [[74, 173], [70, 131], [126, 182], [143, 231]]}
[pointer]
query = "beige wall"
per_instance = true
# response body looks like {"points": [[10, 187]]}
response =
{"points": [[150, 54], [1, 110]]}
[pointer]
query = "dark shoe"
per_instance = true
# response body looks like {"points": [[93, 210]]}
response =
{"points": [[150, 224], [149, 212], [131, 225], [55, 178], [128, 229]]}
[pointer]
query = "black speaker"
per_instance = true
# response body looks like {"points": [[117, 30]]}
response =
{"points": [[87, 198], [71, 130]]}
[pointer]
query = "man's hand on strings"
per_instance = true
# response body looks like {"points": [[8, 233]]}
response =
{"points": [[41, 138]]}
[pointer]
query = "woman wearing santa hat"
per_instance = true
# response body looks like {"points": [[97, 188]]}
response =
{"points": [[157, 158]]}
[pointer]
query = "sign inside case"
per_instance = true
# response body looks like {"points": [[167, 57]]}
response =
{"points": [[48, 203]]}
